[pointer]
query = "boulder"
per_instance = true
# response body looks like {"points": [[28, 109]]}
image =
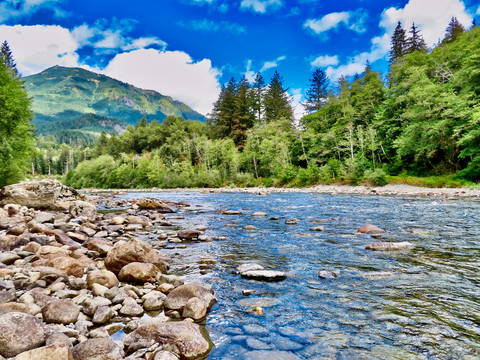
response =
{"points": [[11, 242], [131, 308], [139, 272], [89, 306], [103, 247], [98, 349], [103, 314], [158, 205], [154, 301], [187, 340], [49, 352], [165, 355], [117, 220], [85, 209], [178, 298], [44, 217], [389, 246], [58, 338], [259, 213], [249, 267], [68, 264], [195, 309], [20, 332], [134, 250], [103, 277], [264, 275], [61, 312], [41, 195], [370, 229], [188, 234]]}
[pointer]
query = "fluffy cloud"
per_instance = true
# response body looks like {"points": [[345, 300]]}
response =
{"points": [[173, 73], [260, 6], [272, 64], [249, 73], [431, 18], [353, 20], [324, 61], [208, 25], [298, 109], [38, 47], [10, 9]]}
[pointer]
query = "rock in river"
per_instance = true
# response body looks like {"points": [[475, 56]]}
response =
{"points": [[370, 229], [188, 340], [178, 298], [389, 246], [265, 275]]}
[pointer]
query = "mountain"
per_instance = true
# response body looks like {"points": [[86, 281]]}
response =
{"points": [[77, 101]]}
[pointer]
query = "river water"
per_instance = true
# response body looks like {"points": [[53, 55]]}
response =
{"points": [[417, 304]]}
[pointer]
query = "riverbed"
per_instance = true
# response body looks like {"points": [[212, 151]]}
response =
{"points": [[418, 304]]}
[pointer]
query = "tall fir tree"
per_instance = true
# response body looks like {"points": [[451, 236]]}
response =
{"points": [[277, 101], [223, 114], [7, 58], [317, 93], [244, 116], [398, 43], [415, 41], [454, 29], [258, 90], [16, 131]]}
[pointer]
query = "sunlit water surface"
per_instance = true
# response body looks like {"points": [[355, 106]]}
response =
{"points": [[424, 305]]}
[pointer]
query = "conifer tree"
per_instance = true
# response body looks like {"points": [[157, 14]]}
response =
{"points": [[454, 29], [224, 109], [415, 41], [398, 43], [243, 116], [317, 94], [258, 90], [276, 100], [7, 58]]}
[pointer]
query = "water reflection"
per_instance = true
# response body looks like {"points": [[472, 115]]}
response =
{"points": [[424, 303]]}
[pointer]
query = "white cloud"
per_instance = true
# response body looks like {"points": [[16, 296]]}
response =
{"points": [[272, 64], [209, 25], [37, 47], [172, 73], [298, 109], [260, 6], [10, 9], [478, 11], [432, 18], [249, 73], [353, 20], [324, 60]]}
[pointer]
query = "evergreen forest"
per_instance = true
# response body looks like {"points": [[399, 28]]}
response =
{"points": [[418, 124]]}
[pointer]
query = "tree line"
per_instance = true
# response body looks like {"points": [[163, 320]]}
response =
{"points": [[421, 119]]}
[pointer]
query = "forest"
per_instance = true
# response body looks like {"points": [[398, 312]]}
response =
{"points": [[418, 124]]}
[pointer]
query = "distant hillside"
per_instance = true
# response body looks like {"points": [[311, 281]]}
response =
{"points": [[63, 96]]}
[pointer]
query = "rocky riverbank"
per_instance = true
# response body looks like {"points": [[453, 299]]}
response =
{"points": [[71, 277], [395, 190]]}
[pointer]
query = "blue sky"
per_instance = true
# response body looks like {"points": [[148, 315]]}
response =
{"points": [[188, 48]]}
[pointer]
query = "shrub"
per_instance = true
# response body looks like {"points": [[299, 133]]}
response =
{"points": [[376, 177]]}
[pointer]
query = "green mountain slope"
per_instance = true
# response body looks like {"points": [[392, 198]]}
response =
{"points": [[63, 96]]}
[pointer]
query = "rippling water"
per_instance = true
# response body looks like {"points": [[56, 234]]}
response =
{"points": [[418, 304]]}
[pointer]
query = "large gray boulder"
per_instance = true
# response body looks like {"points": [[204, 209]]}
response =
{"points": [[50, 352], [41, 195], [98, 349], [20, 332], [61, 312], [187, 340], [139, 272]]}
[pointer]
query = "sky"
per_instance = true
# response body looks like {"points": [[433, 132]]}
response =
{"points": [[188, 48]]}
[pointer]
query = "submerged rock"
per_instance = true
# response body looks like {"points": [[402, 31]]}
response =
{"points": [[389, 246]]}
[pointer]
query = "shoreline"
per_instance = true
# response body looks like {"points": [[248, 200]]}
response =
{"points": [[391, 189]]}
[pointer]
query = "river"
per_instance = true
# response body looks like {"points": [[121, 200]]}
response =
{"points": [[417, 304]]}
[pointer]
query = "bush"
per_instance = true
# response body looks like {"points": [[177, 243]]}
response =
{"points": [[376, 177]]}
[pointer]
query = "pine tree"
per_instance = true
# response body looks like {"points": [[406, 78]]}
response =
{"points": [[224, 110], [7, 58], [415, 42], [258, 90], [317, 94], [399, 43], [276, 100], [454, 29], [243, 117], [16, 131]]}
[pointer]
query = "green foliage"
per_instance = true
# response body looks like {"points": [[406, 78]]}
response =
{"points": [[16, 131], [376, 177]]}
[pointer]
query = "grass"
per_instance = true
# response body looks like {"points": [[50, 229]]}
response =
{"points": [[444, 181]]}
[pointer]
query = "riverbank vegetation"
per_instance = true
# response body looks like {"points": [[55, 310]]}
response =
{"points": [[419, 124]]}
